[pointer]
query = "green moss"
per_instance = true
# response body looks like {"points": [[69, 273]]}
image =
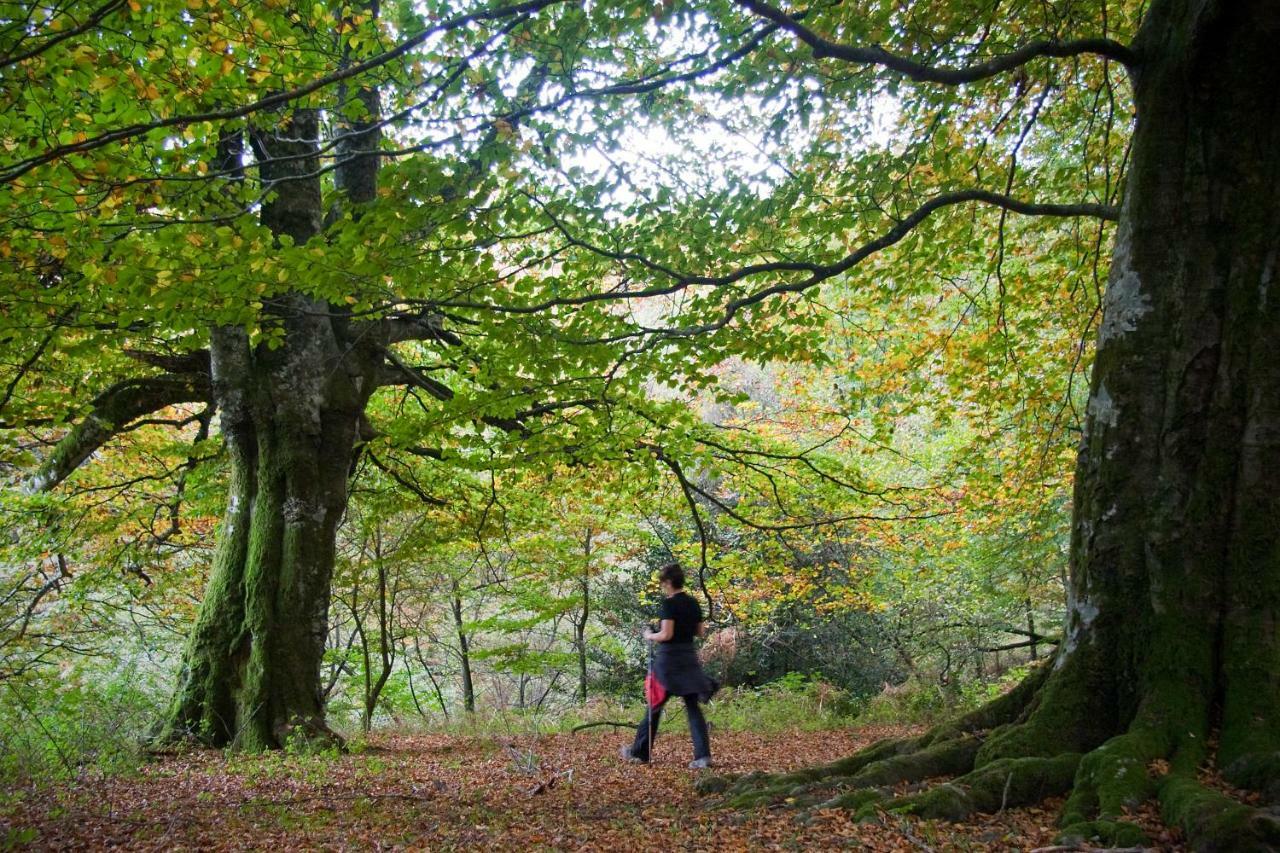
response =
{"points": [[1063, 718], [942, 759], [1213, 821], [1257, 772], [1111, 833], [948, 801], [203, 706], [1114, 776], [1082, 804], [801, 789], [853, 800], [758, 797], [1006, 783], [711, 784], [850, 765], [739, 784], [757, 788]]}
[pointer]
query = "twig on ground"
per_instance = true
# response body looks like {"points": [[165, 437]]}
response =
{"points": [[550, 782], [526, 761], [601, 723]]}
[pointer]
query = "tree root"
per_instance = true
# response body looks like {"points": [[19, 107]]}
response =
{"points": [[1109, 833], [1214, 822], [1033, 749], [1257, 771], [951, 740], [310, 735], [1112, 779], [784, 782], [1007, 783], [942, 759]]}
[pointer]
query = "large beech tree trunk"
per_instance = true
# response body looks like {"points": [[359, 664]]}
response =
{"points": [[1175, 588], [291, 420], [1173, 635], [1175, 569]]}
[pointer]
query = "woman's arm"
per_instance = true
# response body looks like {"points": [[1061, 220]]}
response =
{"points": [[665, 631], [701, 630]]}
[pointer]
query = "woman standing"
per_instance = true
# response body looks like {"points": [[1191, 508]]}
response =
{"points": [[676, 667]]}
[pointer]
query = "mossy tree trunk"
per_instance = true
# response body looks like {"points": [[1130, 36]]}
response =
{"points": [[1173, 632], [291, 419]]}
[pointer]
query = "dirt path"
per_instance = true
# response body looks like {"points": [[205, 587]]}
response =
{"points": [[437, 792]]}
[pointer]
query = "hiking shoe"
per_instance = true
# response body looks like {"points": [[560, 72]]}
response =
{"points": [[700, 764], [630, 757]]}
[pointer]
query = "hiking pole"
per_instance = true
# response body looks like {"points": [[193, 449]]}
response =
{"points": [[648, 701]]}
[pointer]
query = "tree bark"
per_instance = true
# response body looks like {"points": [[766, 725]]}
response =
{"points": [[580, 623], [373, 686], [1175, 584], [290, 419], [464, 653]]}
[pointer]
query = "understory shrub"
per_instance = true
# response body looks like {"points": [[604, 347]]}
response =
{"points": [[53, 729]]}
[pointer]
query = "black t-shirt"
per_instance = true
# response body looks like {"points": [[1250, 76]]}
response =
{"points": [[682, 608]]}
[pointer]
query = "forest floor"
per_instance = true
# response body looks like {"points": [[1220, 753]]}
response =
{"points": [[446, 792]]}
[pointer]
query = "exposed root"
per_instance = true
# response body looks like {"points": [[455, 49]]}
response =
{"points": [[1007, 783], [310, 734], [1036, 742], [1257, 771], [1213, 821], [942, 759], [1112, 779], [1058, 718], [713, 784], [1109, 833], [943, 750]]}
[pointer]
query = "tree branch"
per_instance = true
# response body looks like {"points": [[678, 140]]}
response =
{"points": [[112, 412], [425, 327], [817, 272], [197, 362], [89, 23], [15, 170], [824, 48], [406, 483], [399, 373]]}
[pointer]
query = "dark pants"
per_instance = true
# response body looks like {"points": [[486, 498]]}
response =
{"points": [[697, 729]]}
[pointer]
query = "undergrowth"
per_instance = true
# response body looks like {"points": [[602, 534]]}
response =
{"points": [[53, 729], [918, 702]]}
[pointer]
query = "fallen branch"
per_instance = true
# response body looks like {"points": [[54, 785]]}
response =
{"points": [[601, 723]]}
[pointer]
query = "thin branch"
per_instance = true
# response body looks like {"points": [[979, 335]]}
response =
{"points": [[89, 23], [406, 483], [817, 272], [824, 48], [16, 170]]}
